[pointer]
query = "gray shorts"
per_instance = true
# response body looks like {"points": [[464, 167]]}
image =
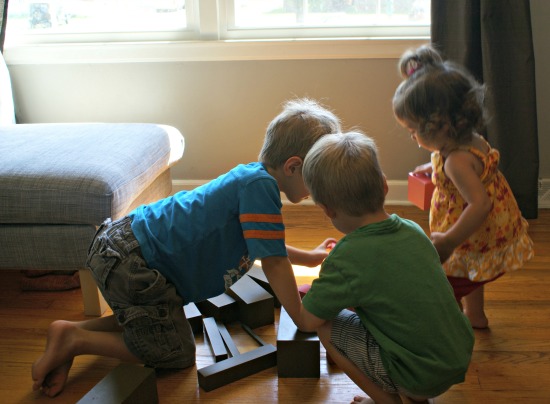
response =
{"points": [[350, 337], [144, 303]]}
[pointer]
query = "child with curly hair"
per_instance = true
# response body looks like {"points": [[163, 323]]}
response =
{"points": [[475, 223]]}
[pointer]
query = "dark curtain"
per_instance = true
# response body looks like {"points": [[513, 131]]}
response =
{"points": [[492, 38], [3, 19]]}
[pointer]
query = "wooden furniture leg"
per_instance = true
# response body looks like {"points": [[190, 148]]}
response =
{"points": [[94, 303]]}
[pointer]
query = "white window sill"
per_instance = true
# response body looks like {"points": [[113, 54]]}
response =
{"points": [[184, 51]]}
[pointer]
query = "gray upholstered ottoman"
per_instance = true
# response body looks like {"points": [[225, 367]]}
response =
{"points": [[59, 181]]}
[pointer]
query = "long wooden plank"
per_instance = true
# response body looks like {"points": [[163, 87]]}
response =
{"points": [[125, 384], [233, 350], [235, 368], [212, 331]]}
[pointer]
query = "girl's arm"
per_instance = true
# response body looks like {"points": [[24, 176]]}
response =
{"points": [[464, 170], [424, 169], [310, 258]]}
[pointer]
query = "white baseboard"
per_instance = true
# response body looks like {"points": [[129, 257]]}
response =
{"points": [[397, 194]]}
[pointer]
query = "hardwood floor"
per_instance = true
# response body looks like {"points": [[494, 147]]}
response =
{"points": [[511, 361]]}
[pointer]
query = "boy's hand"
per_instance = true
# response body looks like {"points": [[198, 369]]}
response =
{"points": [[311, 258]]}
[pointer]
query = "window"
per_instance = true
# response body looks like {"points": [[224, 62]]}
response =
{"points": [[95, 20], [59, 21], [327, 18]]}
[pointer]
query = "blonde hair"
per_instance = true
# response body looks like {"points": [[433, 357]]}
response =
{"points": [[342, 172], [435, 93], [292, 133]]}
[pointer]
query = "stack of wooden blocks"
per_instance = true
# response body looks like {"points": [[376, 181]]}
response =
{"points": [[251, 302]]}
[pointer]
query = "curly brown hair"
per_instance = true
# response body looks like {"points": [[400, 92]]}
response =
{"points": [[435, 93]]}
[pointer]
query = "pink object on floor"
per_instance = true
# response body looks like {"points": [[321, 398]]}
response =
{"points": [[303, 289]]}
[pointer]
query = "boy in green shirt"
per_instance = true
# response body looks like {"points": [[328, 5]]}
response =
{"points": [[407, 340]]}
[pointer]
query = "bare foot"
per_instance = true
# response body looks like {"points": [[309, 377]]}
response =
{"points": [[55, 380], [362, 400], [50, 371], [478, 321], [474, 308]]}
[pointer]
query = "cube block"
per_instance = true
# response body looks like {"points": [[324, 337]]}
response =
{"points": [[298, 353], [222, 307], [256, 306], [420, 190], [258, 275]]}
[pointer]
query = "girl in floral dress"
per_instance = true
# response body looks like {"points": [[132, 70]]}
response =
{"points": [[475, 223]]}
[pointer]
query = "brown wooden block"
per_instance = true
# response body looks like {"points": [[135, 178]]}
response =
{"points": [[298, 353], [256, 306], [235, 368], [228, 341], [194, 317], [260, 341], [212, 332], [125, 384], [258, 275], [223, 307]]}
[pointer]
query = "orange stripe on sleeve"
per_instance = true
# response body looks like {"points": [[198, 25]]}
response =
{"points": [[265, 234], [256, 217]]}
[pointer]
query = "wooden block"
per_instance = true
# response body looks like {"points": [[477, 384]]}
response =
{"points": [[256, 306], [420, 190], [126, 384], [222, 307], [258, 275], [298, 353], [228, 341], [194, 317], [235, 368], [212, 332], [240, 365], [256, 338]]}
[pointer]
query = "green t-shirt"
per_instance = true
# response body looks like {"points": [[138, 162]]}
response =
{"points": [[391, 274]]}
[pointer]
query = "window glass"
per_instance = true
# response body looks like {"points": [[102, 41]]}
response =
{"points": [[330, 13], [155, 20], [95, 16]]}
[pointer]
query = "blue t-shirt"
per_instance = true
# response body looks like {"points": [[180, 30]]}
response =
{"points": [[204, 240]]}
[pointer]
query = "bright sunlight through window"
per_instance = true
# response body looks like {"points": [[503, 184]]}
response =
{"points": [[140, 20]]}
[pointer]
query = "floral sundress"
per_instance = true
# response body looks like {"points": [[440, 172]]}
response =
{"points": [[501, 244]]}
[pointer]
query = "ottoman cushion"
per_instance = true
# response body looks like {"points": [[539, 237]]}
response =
{"points": [[79, 173]]}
